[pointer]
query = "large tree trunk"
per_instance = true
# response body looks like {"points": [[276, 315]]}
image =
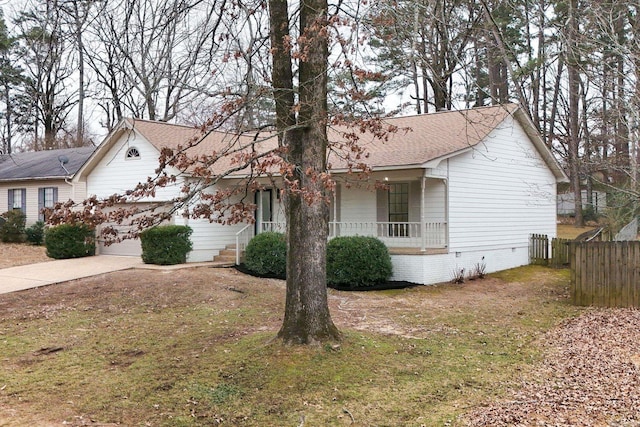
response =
{"points": [[307, 319]]}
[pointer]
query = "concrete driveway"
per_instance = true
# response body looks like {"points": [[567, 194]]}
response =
{"points": [[46, 273]]}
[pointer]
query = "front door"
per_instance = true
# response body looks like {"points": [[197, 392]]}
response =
{"points": [[264, 210]]}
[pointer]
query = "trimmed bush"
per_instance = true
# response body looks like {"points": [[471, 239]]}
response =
{"points": [[12, 230], [166, 244], [357, 261], [35, 233], [70, 241], [266, 255]]}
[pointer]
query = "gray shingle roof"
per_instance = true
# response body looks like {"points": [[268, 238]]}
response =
{"points": [[42, 164]]}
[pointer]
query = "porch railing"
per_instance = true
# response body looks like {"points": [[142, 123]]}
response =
{"points": [[396, 234], [430, 235]]}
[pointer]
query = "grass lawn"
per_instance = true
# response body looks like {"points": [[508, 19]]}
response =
{"points": [[194, 348], [569, 231]]}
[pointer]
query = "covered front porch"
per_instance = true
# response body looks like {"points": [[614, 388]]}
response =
{"points": [[409, 215], [399, 237]]}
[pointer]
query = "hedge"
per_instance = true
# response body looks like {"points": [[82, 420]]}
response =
{"points": [[70, 241], [266, 255], [12, 228], [166, 244], [357, 261]]}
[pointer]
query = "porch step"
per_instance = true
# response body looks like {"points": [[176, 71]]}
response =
{"points": [[227, 255]]}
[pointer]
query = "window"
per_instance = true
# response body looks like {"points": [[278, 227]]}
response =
{"points": [[132, 153], [47, 197], [398, 209], [18, 199]]}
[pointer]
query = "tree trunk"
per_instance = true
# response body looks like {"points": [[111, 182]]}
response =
{"points": [[81, 95], [307, 319], [574, 96]]}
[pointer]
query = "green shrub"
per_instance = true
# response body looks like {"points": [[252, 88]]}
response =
{"points": [[166, 244], [266, 255], [70, 241], [12, 230], [35, 233], [589, 214], [357, 261]]}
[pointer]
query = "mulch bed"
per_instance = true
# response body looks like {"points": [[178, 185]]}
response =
{"points": [[379, 287]]}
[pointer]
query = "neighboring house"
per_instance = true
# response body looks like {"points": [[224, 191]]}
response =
{"points": [[34, 180], [464, 188], [567, 204]]}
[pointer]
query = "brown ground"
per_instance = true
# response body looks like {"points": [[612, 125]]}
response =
{"points": [[13, 254], [590, 376]]}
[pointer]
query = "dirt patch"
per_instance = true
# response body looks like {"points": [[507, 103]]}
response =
{"points": [[14, 254]]}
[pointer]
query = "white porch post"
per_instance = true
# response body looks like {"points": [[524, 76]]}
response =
{"points": [[446, 212], [335, 232], [423, 224]]}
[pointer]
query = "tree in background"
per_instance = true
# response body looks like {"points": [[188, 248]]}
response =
{"points": [[48, 67], [10, 84]]}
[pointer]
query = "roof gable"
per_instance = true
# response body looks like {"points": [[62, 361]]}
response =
{"points": [[43, 164]]}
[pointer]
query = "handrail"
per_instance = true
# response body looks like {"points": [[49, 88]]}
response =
{"points": [[239, 249]]}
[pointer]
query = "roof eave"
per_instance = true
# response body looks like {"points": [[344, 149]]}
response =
{"points": [[36, 178], [543, 150]]}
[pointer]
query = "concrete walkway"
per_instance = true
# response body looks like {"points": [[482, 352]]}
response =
{"points": [[47, 273]]}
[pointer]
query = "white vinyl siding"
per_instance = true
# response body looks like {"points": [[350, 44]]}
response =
{"points": [[357, 205], [500, 193], [435, 200], [117, 174]]}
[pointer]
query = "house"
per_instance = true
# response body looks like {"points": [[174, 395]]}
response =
{"points": [[567, 204], [463, 188], [31, 181]]}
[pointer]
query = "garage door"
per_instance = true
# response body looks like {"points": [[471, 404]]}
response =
{"points": [[129, 247]]}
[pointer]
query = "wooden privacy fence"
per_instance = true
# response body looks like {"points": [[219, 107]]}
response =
{"points": [[605, 274], [555, 255]]}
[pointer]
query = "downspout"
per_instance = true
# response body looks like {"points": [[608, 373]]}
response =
{"points": [[68, 177]]}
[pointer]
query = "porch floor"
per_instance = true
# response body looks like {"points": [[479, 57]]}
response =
{"points": [[417, 251]]}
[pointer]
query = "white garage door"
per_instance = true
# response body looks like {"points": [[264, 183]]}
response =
{"points": [[129, 247]]}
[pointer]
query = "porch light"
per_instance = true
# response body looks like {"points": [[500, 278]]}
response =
{"points": [[386, 178]]}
